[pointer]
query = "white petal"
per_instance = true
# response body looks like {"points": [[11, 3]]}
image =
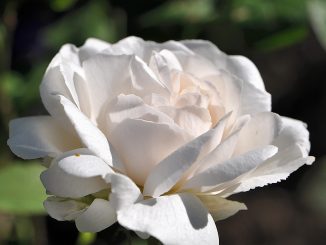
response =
{"points": [[142, 144], [245, 69], [124, 191], [176, 219], [221, 208], [91, 47], [273, 170], [76, 175], [162, 64], [143, 49], [240, 66], [229, 169], [98, 216], [89, 134], [261, 130], [132, 107], [82, 90], [194, 120], [167, 173], [41, 136], [104, 81], [254, 100], [229, 90], [144, 80], [293, 131], [52, 84], [63, 209]]}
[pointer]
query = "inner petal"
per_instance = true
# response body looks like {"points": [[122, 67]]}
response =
{"points": [[195, 120], [141, 144]]}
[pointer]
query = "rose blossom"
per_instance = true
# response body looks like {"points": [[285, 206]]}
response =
{"points": [[155, 137]]}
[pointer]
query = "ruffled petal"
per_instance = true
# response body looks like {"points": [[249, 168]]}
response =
{"points": [[144, 80], [273, 170], [97, 217], [132, 107], [229, 169], [292, 132], [176, 219], [238, 65], [124, 191], [167, 173]]}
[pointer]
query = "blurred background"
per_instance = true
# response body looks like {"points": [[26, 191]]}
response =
{"points": [[286, 39]]}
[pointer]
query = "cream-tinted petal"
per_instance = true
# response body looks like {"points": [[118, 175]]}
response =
{"points": [[142, 144]]}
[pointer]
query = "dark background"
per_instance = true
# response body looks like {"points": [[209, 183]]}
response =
{"points": [[284, 38]]}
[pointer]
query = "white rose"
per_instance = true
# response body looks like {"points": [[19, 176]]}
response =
{"points": [[155, 137]]}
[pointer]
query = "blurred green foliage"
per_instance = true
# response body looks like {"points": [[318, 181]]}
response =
{"points": [[250, 25], [21, 191], [317, 13]]}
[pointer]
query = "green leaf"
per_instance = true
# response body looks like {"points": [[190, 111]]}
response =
{"points": [[317, 14], [282, 39], [180, 12], [313, 186], [86, 238], [267, 13], [21, 191], [95, 19], [62, 5]]}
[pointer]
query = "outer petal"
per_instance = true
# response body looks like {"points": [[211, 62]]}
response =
{"points": [[98, 216], [293, 131], [176, 219], [124, 191], [76, 175], [293, 143], [91, 47], [63, 208], [261, 130], [229, 169], [273, 170], [254, 100], [167, 173], [34, 137], [221, 208], [240, 66], [143, 49], [89, 134]]}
